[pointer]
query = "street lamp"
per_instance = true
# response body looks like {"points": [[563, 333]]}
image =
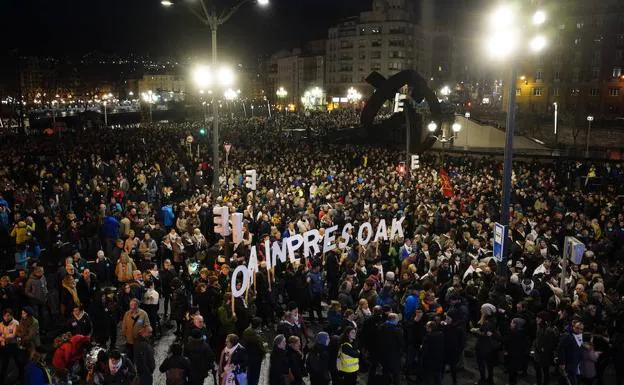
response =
{"points": [[507, 30], [590, 119], [282, 94], [455, 127], [212, 18], [353, 96]]}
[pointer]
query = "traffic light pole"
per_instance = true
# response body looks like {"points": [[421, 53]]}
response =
{"points": [[215, 108]]}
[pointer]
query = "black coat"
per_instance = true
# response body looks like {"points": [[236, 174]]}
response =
{"points": [[390, 345], [432, 352], [177, 367], [296, 366], [179, 304], [546, 340], [516, 343], [103, 319], [569, 354], [144, 356], [317, 364], [454, 343], [278, 368], [201, 356]]}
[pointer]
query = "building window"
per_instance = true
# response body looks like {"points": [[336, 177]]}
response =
{"points": [[617, 72], [396, 43], [618, 55], [394, 66], [537, 91], [362, 55], [576, 75], [580, 24], [555, 92], [539, 76], [614, 92], [595, 73], [346, 44], [375, 67], [396, 30], [518, 92], [594, 92], [376, 55], [397, 54], [376, 43], [376, 30], [557, 76], [363, 43], [575, 92]]}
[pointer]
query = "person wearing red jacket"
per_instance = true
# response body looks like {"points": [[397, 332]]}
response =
{"points": [[70, 352]]}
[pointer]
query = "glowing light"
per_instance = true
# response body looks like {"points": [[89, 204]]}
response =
{"points": [[353, 95], [166, 3], [230, 94], [456, 127], [432, 126], [226, 76], [445, 91], [537, 43], [539, 17], [263, 3], [202, 76]]}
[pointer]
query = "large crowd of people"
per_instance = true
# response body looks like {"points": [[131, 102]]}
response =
{"points": [[107, 242]]}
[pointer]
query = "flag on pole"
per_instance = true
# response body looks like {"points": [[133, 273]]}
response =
{"points": [[445, 183]]}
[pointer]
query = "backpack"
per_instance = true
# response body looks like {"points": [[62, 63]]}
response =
{"points": [[314, 364]]}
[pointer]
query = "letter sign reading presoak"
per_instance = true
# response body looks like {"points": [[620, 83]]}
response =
{"points": [[310, 240]]}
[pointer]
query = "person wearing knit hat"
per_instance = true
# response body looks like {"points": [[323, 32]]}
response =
{"points": [[322, 338], [318, 360], [487, 340]]}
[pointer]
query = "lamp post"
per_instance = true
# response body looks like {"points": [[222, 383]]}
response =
{"points": [[281, 95], [105, 115], [353, 96], [590, 119], [505, 35], [213, 20], [455, 127], [556, 111]]}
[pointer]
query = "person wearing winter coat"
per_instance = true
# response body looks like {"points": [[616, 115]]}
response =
{"points": [[516, 347], [544, 346], [79, 322], [35, 371], [104, 319], [69, 296], [103, 269], [454, 341], [432, 355], [177, 367], [118, 370], [278, 367], [570, 353], [390, 345], [201, 356], [252, 341], [488, 343], [70, 351], [295, 360], [144, 355], [133, 320], [37, 293], [317, 362], [28, 329], [179, 304]]}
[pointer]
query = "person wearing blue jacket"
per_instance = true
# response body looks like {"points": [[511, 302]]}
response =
{"points": [[412, 302], [110, 230], [35, 372], [167, 216], [315, 284]]}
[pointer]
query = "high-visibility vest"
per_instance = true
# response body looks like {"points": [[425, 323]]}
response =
{"points": [[346, 363]]}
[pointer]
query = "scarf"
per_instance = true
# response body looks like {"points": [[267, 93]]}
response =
{"points": [[72, 291]]}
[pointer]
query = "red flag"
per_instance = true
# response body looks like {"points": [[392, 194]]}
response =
{"points": [[445, 183]]}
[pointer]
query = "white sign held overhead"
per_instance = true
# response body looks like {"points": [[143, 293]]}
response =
{"points": [[189, 139], [228, 147]]}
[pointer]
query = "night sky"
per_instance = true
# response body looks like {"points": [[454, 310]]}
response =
{"points": [[75, 27]]}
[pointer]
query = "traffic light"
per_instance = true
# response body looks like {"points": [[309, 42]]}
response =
{"points": [[250, 179], [399, 102], [202, 131], [237, 228], [221, 220]]}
